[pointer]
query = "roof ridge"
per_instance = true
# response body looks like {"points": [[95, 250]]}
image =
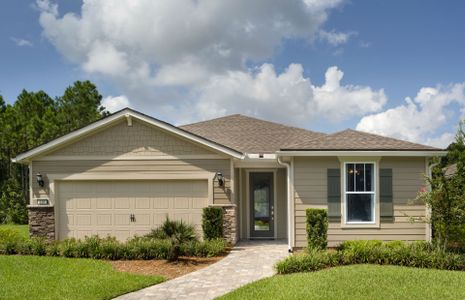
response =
{"points": [[257, 119], [385, 136], [209, 120], [296, 145]]}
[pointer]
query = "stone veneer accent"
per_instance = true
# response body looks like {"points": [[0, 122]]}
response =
{"points": [[42, 222], [230, 224]]}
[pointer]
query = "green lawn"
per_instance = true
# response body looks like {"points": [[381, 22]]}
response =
{"points": [[38, 277], [22, 229], [358, 282]]}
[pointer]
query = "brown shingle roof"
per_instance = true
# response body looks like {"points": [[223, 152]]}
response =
{"points": [[357, 140], [250, 135]]}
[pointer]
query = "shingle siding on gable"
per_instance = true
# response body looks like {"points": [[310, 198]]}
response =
{"points": [[136, 140], [311, 192]]}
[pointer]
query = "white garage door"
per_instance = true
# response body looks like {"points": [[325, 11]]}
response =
{"points": [[105, 207]]}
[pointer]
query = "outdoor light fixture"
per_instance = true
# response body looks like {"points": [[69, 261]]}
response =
{"points": [[40, 180], [220, 178]]}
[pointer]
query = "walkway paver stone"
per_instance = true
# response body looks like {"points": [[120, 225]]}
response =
{"points": [[248, 261]]}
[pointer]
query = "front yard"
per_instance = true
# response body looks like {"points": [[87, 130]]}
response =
{"points": [[38, 277], [358, 282]]}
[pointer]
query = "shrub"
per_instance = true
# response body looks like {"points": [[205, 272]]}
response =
{"points": [[10, 241], [182, 241], [317, 228], [312, 260], [53, 249], [68, 248], [144, 248], [212, 223], [157, 233], [207, 248], [417, 254], [32, 246]]}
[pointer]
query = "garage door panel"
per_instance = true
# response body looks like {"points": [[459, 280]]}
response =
{"points": [[161, 203], [105, 207], [142, 219], [122, 219], [83, 220], [142, 203], [104, 203], [159, 218], [104, 220], [83, 203], [181, 203]]}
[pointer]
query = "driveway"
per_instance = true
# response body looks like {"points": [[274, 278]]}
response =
{"points": [[248, 261]]}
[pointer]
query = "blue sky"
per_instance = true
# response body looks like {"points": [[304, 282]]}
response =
{"points": [[387, 51]]}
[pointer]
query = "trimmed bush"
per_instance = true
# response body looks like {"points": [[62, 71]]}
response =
{"points": [[417, 254], [207, 248], [10, 241], [317, 228], [179, 239], [212, 223]]}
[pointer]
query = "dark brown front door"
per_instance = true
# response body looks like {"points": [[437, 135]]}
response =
{"points": [[261, 205]]}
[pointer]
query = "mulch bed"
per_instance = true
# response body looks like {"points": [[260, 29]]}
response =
{"points": [[165, 268]]}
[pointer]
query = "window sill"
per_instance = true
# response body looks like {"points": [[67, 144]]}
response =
{"points": [[359, 225]]}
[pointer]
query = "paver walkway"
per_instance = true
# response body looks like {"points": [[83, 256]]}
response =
{"points": [[248, 261]]}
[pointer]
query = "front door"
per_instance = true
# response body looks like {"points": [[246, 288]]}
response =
{"points": [[261, 205]]}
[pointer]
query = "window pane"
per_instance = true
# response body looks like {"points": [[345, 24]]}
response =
{"points": [[369, 177], [350, 177], [360, 208], [261, 207], [359, 178]]}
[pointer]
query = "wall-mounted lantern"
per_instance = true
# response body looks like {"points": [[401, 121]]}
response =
{"points": [[40, 180], [219, 176]]}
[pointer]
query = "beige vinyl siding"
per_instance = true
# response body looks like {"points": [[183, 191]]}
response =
{"points": [[311, 192], [140, 139], [221, 195]]}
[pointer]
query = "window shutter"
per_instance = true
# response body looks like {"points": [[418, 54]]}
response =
{"points": [[334, 195], [385, 195]]}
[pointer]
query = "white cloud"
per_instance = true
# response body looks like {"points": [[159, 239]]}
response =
{"points": [[116, 103], [335, 38], [288, 97], [22, 42], [420, 117], [176, 37]]}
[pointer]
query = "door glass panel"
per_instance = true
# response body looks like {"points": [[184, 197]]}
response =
{"points": [[261, 195]]}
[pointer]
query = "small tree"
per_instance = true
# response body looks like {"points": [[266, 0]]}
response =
{"points": [[446, 197]]}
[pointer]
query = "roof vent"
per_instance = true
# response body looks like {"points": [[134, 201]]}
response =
{"points": [[260, 156]]}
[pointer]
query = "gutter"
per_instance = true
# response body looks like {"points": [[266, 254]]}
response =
{"points": [[289, 204]]}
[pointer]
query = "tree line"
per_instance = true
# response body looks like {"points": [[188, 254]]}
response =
{"points": [[33, 119]]}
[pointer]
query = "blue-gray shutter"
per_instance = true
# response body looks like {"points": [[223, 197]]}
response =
{"points": [[385, 195], [334, 195]]}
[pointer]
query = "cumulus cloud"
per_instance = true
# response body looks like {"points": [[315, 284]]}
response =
{"points": [[266, 94], [22, 42], [335, 38], [113, 104], [175, 34], [419, 117]]}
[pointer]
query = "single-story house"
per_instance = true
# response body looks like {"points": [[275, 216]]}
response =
{"points": [[124, 174]]}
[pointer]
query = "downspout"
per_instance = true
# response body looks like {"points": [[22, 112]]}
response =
{"points": [[289, 203], [428, 208]]}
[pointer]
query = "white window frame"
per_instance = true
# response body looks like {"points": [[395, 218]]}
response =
{"points": [[374, 185]]}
